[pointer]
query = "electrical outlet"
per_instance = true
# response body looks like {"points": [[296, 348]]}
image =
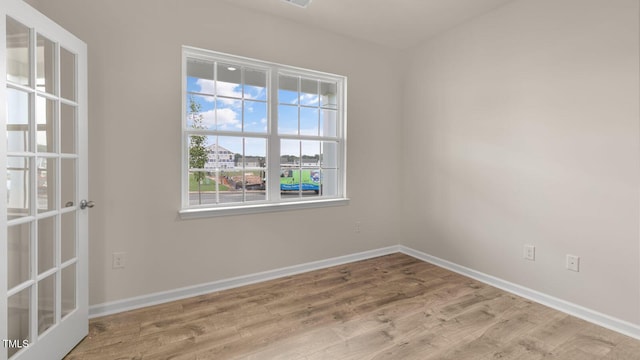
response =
{"points": [[573, 263], [357, 228], [530, 252], [117, 260]]}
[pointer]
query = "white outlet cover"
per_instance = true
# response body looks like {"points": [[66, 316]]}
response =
{"points": [[529, 252], [573, 263]]}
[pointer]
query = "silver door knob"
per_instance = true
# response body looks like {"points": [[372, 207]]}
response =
{"points": [[87, 204]]}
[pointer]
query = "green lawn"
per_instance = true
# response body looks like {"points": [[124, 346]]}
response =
{"points": [[207, 185]]}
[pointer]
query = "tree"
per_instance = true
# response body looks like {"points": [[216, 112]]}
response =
{"points": [[197, 145]]}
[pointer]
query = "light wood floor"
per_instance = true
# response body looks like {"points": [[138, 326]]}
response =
{"points": [[391, 307]]}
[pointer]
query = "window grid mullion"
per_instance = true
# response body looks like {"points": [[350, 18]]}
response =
{"points": [[272, 138]]}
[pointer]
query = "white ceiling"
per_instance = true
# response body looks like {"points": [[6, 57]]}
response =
{"points": [[398, 24]]}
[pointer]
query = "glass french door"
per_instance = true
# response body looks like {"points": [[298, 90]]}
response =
{"points": [[43, 242]]}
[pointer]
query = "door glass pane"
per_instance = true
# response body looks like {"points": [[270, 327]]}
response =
{"points": [[45, 67], [18, 187], [46, 244], [45, 115], [46, 184], [68, 289], [18, 110], [67, 129], [68, 236], [18, 254], [68, 182], [17, 52], [19, 306], [46, 303], [67, 74]]}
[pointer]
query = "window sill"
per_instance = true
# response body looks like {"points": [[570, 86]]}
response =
{"points": [[198, 213]]}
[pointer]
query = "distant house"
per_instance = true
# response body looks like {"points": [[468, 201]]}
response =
{"points": [[251, 161], [219, 158]]}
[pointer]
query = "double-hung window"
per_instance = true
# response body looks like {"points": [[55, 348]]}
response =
{"points": [[259, 136]]}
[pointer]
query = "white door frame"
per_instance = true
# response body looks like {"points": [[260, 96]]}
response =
{"points": [[55, 342]]}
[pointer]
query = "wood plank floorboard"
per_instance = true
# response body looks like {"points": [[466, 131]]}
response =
{"points": [[390, 307]]}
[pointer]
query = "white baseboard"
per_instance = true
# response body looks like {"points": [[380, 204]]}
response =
{"points": [[186, 292], [589, 315], [578, 311]]}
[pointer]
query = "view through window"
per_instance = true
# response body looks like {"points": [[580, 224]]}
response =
{"points": [[259, 133]]}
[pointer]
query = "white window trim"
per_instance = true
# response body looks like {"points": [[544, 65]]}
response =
{"points": [[275, 203]]}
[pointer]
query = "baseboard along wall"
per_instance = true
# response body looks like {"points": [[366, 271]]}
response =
{"points": [[578, 311]]}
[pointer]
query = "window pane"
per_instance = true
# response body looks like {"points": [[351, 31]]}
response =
{"points": [[287, 119], [18, 319], [287, 90], [230, 177], [200, 112], [199, 149], [200, 76], [309, 121], [18, 254], [228, 114], [46, 244], [45, 66], [68, 129], [229, 81], [46, 172], [255, 161], [46, 303], [289, 167], [328, 123], [330, 182], [255, 116], [67, 74], [328, 94], [309, 92], [330, 155], [310, 153], [290, 152], [45, 114], [18, 187], [255, 84], [68, 289], [17, 52], [18, 111], [68, 236]]}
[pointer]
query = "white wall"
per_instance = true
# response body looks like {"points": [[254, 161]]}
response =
{"points": [[524, 123], [134, 83], [520, 126]]}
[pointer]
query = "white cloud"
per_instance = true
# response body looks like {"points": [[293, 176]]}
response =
{"points": [[227, 119], [308, 99], [224, 89]]}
